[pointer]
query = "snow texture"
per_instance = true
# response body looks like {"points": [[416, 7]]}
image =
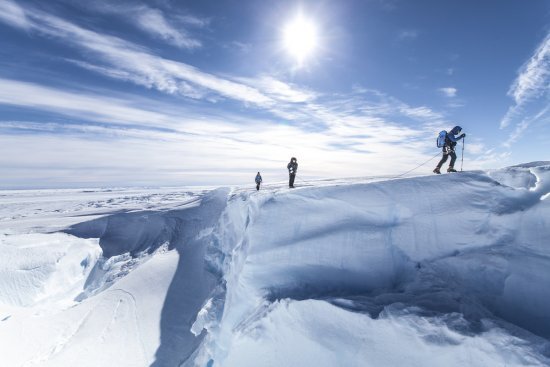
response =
{"points": [[428, 271]]}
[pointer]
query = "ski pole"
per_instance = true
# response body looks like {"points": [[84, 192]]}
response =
{"points": [[462, 162]]}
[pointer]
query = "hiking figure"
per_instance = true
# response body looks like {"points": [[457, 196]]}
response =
{"points": [[258, 181], [449, 149], [292, 168]]}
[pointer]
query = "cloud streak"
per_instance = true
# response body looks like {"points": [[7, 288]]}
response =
{"points": [[125, 60], [408, 35], [77, 104], [534, 77], [280, 91], [448, 92], [532, 83], [13, 14], [156, 23], [130, 62]]}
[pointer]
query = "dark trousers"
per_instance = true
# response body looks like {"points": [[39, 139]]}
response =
{"points": [[258, 186], [291, 177], [446, 154]]}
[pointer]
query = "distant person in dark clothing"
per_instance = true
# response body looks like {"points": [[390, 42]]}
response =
{"points": [[292, 168], [258, 181], [449, 149]]}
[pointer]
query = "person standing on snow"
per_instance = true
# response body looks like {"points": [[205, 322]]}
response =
{"points": [[292, 168], [449, 149], [258, 181]]}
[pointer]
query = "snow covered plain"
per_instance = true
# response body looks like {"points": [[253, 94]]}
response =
{"points": [[450, 270]]}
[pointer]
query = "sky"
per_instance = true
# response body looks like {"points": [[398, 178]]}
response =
{"points": [[174, 93]]}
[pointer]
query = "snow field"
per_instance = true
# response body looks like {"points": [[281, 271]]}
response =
{"points": [[443, 270]]}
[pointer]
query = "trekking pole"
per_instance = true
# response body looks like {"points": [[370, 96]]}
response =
{"points": [[462, 162]]}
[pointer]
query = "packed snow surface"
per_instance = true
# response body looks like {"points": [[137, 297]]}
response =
{"points": [[447, 270]]}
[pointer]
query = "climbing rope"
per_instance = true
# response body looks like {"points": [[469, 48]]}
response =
{"points": [[304, 181], [390, 177], [417, 167], [401, 175]]}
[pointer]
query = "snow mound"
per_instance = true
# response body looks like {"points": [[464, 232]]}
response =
{"points": [[40, 267]]}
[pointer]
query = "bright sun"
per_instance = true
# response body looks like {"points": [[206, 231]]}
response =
{"points": [[300, 38]]}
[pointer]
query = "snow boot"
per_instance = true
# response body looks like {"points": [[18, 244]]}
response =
{"points": [[436, 170], [451, 169]]}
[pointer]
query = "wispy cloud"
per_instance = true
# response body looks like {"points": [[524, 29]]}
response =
{"points": [[126, 60], [154, 22], [533, 82], [374, 103], [407, 35], [531, 94], [517, 133], [448, 91], [13, 14], [239, 46], [162, 84], [192, 20], [358, 88], [534, 77], [121, 111], [423, 113], [280, 90], [521, 127], [77, 104], [166, 23]]}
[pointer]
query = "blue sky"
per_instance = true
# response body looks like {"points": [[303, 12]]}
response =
{"points": [[133, 93]]}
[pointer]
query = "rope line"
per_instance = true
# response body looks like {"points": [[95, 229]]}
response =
{"points": [[304, 181], [389, 177], [409, 171], [417, 167]]}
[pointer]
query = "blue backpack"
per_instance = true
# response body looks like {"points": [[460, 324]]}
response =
{"points": [[441, 139]]}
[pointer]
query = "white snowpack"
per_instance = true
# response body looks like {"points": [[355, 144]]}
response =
{"points": [[447, 270]]}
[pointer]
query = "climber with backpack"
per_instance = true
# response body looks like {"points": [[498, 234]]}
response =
{"points": [[447, 141]]}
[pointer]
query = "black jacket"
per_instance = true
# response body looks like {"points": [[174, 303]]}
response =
{"points": [[292, 167]]}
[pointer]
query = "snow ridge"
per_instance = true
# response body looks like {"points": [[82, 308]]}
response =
{"points": [[392, 248]]}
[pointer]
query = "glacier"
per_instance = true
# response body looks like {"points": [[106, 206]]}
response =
{"points": [[447, 270]]}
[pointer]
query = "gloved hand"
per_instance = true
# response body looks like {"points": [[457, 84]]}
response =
{"points": [[463, 135]]}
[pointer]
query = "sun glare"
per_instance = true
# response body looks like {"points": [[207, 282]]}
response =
{"points": [[300, 38]]}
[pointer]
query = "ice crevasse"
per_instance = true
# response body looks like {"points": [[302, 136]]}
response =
{"points": [[386, 273]]}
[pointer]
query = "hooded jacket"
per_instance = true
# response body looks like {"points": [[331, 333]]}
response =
{"points": [[451, 136]]}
